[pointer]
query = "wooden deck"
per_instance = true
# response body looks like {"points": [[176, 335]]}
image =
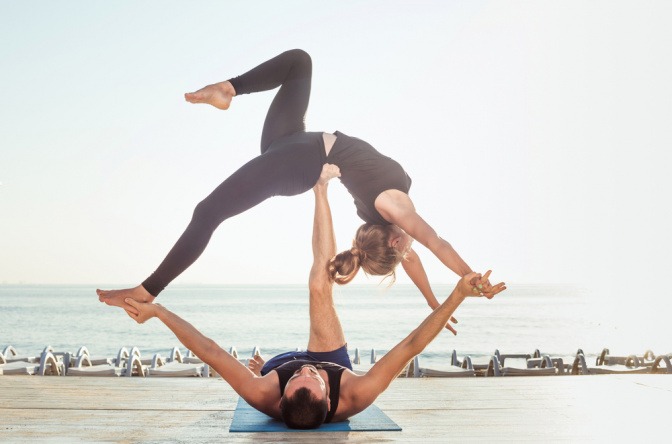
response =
{"points": [[628, 408]]}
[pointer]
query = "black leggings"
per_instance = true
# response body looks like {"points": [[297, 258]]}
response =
{"points": [[290, 162]]}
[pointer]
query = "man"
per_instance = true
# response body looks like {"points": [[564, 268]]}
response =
{"points": [[306, 389]]}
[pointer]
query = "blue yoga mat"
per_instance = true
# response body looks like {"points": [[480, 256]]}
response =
{"points": [[248, 419]]}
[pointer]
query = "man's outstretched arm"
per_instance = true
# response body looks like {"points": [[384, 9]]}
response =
{"points": [[365, 389], [239, 377]]}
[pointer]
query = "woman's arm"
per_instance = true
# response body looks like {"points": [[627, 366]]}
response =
{"points": [[414, 269], [397, 208]]}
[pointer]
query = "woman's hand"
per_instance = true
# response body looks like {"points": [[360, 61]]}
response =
{"points": [[145, 310], [481, 286], [329, 171], [450, 327]]}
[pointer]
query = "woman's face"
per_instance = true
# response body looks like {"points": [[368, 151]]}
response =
{"points": [[399, 240]]}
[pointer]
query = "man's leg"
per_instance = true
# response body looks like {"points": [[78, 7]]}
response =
{"points": [[326, 333]]}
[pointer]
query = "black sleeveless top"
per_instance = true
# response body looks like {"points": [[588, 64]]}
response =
{"points": [[366, 173], [334, 373]]}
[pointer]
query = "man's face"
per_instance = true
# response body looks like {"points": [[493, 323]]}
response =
{"points": [[307, 377]]}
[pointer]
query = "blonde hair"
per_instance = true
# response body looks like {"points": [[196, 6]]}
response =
{"points": [[370, 251]]}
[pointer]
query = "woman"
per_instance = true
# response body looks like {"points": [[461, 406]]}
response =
{"points": [[290, 163]]}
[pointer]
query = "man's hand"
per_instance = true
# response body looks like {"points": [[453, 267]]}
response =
{"points": [[480, 285], [145, 310], [329, 171]]}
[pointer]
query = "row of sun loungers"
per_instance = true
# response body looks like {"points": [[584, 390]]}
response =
{"points": [[13, 364], [125, 363], [131, 363], [539, 364], [82, 363]]}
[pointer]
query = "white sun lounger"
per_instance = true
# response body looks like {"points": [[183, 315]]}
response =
{"points": [[11, 355], [536, 361], [83, 367], [76, 360], [48, 365], [178, 369], [645, 360], [360, 365], [579, 367], [178, 366], [660, 361], [456, 369], [118, 361], [496, 366]]}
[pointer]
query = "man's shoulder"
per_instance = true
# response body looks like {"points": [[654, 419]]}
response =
{"points": [[349, 402], [350, 382], [266, 394], [269, 383]]}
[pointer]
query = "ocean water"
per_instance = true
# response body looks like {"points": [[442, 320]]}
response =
{"points": [[556, 319]]}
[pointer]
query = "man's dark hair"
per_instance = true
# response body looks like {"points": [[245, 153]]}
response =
{"points": [[303, 410]]}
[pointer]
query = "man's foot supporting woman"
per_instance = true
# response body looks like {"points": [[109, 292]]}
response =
{"points": [[255, 364], [218, 95], [116, 297]]}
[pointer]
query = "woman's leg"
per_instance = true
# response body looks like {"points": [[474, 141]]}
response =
{"points": [[254, 182], [287, 171], [291, 71], [287, 113]]}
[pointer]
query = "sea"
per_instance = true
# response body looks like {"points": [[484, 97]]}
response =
{"points": [[555, 319]]}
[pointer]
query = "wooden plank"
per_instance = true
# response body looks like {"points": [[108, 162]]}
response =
{"points": [[574, 408], [116, 393]]}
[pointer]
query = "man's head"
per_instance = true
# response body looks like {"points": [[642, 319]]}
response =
{"points": [[305, 403]]}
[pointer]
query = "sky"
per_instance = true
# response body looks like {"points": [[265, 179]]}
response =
{"points": [[537, 135]]}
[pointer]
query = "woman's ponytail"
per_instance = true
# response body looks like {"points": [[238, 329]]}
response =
{"points": [[344, 266], [370, 251]]}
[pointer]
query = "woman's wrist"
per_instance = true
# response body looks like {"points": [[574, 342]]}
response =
{"points": [[159, 311], [465, 271]]}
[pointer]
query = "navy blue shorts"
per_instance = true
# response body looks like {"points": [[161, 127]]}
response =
{"points": [[339, 356]]}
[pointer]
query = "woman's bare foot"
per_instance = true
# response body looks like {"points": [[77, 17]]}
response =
{"points": [[218, 95], [116, 297], [255, 364]]}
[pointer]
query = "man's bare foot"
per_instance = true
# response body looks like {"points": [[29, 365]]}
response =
{"points": [[116, 297], [255, 364], [218, 95]]}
